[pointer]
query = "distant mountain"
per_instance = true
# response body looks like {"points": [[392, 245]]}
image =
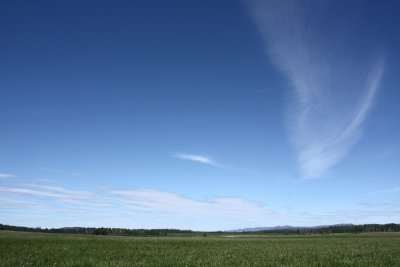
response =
{"points": [[285, 227]]}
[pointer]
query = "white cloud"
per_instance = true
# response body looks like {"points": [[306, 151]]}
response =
{"points": [[6, 175], [48, 191], [58, 206], [332, 92], [154, 208], [196, 158], [167, 202]]}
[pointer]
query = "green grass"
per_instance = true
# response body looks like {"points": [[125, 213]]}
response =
{"points": [[38, 249]]}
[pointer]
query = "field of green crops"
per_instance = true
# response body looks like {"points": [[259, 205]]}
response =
{"points": [[39, 249]]}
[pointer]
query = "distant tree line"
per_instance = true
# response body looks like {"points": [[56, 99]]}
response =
{"points": [[98, 231], [364, 228]]}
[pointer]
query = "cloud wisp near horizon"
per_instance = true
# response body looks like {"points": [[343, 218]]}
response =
{"points": [[332, 91], [32, 203], [132, 207]]}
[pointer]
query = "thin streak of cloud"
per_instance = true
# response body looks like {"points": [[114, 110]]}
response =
{"points": [[59, 194], [196, 158], [62, 190], [332, 93], [56, 194], [7, 175], [164, 201]]}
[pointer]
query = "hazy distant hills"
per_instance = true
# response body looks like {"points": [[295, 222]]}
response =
{"points": [[286, 227]]}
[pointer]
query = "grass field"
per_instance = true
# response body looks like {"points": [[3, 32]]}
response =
{"points": [[39, 249]]}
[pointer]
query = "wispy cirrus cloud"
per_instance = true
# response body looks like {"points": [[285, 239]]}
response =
{"points": [[333, 90], [7, 175], [164, 202], [157, 208], [196, 158], [47, 191], [59, 206]]}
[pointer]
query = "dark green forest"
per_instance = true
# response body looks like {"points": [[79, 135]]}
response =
{"points": [[97, 231], [364, 228]]}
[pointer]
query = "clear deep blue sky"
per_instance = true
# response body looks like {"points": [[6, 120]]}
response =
{"points": [[199, 114]]}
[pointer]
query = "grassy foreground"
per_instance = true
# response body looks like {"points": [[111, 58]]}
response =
{"points": [[39, 249]]}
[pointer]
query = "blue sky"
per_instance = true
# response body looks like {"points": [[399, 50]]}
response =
{"points": [[208, 115]]}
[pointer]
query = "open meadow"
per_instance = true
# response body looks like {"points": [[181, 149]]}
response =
{"points": [[42, 249]]}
